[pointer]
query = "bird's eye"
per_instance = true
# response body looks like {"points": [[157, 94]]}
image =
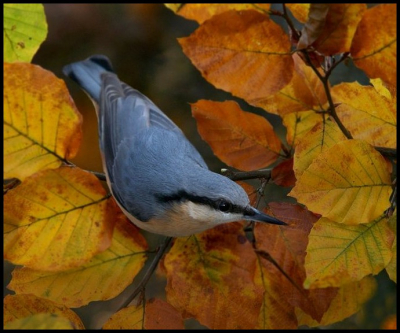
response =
{"points": [[224, 206]]}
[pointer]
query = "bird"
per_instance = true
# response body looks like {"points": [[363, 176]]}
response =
{"points": [[157, 177]]}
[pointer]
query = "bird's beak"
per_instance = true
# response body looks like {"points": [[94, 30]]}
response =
{"points": [[255, 215]]}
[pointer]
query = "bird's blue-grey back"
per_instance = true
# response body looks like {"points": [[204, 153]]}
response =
{"points": [[134, 135]]}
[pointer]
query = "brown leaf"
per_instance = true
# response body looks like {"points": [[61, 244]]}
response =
{"points": [[340, 26], [283, 174], [162, 315], [242, 52], [287, 246], [241, 139], [314, 25]]}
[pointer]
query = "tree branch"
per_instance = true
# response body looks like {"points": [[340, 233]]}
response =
{"points": [[241, 175], [160, 252]]}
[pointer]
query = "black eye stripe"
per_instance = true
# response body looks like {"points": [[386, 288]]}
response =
{"points": [[184, 196]]}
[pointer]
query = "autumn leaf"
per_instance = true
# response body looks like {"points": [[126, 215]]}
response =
{"points": [[241, 139], [375, 42], [304, 92], [57, 219], [42, 321], [391, 268], [25, 28], [321, 137], [155, 315], [242, 52], [298, 125], [349, 300], [337, 28], [287, 246], [338, 254], [201, 12], [283, 174], [348, 183], [314, 26], [366, 113], [216, 267], [18, 307], [42, 126], [103, 277], [299, 10]]}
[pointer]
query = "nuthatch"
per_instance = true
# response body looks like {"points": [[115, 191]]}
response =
{"points": [[157, 177]]}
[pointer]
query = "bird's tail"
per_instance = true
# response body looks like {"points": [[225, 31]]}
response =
{"points": [[87, 74]]}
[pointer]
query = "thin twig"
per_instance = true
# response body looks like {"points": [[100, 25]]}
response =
{"points": [[148, 274], [268, 257], [242, 175], [342, 58], [325, 83]]}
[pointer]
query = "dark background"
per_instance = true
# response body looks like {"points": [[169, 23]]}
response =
{"points": [[141, 42]]}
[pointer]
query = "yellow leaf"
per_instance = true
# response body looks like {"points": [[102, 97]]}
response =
{"points": [[42, 321], [298, 124], [210, 277], [299, 10], [391, 268], [25, 28], [17, 307], [320, 138], [338, 254], [201, 12], [57, 219], [375, 42], [304, 92], [339, 28], [103, 277], [383, 89], [348, 183], [348, 301], [130, 318], [242, 52], [42, 126], [366, 113], [241, 139]]}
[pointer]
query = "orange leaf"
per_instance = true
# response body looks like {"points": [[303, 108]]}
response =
{"points": [[340, 26], [201, 12], [366, 113], [242, 52], [287, 246], [241, 139], [105, 276], [304, 92], [210, 277], [299, 10], [374, 43], [21, 306], [42, 126], [57, 219], [283, 174]]}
